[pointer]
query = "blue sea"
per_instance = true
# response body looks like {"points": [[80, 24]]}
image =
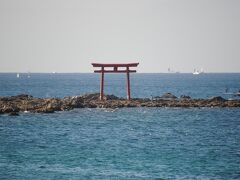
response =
{"points": [[127, 143]]}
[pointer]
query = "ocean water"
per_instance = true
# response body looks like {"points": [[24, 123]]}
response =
{"points": [[142, 85], [127, 143]]}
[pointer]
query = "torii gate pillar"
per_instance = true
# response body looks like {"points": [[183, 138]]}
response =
{"points": [[115, 70]]}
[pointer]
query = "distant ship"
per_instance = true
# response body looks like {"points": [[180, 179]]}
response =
{"points": [[196, 72], [18, 75]]}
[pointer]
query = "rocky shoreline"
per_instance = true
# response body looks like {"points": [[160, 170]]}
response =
{"points": [[26, 103]]}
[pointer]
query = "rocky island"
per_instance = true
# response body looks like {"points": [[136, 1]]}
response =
{"points": [[12, 105]]}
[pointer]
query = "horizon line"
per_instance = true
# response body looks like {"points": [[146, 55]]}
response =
{"points": [[54, 72]]}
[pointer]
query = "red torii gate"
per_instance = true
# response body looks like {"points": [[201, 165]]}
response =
{"points": [[115, 70]]}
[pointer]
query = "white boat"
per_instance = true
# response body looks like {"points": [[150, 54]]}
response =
{"points": [[18, 75], [196, 72]]}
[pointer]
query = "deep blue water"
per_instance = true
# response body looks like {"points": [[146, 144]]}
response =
{"points": [[128, 143]]}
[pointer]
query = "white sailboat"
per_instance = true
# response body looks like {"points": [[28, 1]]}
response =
{"points": [[18, 75], [196, 72]]}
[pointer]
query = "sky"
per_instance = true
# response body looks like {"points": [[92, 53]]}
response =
{"points": [[67, 35]]}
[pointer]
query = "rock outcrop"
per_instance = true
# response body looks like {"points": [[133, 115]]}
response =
{"points": [[168, 95], [26, 103], [185, 97]]}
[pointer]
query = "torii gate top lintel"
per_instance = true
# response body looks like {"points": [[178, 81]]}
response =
{"points": [[115, 70], [115, 65]]}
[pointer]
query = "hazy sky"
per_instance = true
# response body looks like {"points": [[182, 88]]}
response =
{"points": [[67, 35]]}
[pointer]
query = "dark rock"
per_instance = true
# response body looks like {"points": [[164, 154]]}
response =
{"points": [[89, 97], [232, 103], [168, 96], [111, 97], [10, 108], [130, 104], [74, 102], [22, 96], [217, 98], [5, 99], [49, 105], [7, 109], [13, 114], [44, 110], [185, 97], [91, 105], [54, 104]]}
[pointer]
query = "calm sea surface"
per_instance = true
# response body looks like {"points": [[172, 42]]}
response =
{"points": [[128, 143]]}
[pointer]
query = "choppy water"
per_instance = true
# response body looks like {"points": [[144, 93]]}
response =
{"points": [[128, 143]]}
